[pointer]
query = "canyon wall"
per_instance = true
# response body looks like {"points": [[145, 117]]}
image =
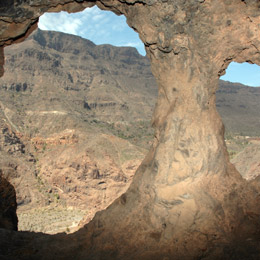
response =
{"points": [[187, 201]]}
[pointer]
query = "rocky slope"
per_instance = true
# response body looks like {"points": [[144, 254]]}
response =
{"points": [[247, 161], [69, 136], [239, 108]]}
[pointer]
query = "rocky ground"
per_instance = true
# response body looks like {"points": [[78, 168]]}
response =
{"points": [[51, 219], [247, 161]]}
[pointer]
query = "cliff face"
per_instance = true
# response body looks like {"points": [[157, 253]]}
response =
{"points": [[186, 200]]}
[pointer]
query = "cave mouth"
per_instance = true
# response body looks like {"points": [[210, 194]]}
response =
{"points": [[78, 125], [238, 103], [186, 203]]}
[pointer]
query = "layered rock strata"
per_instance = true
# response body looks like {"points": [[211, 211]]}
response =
{"points": [[187, 201]]}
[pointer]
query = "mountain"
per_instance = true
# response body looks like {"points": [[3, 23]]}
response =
{"points": [[69, 110], [58, 74], [239, 107], [75, 125]]}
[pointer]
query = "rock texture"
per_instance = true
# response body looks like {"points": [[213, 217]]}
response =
{"points": [[247, 161], [186, 201], [8, 218]]}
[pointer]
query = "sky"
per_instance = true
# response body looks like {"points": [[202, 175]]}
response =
{"points": [[104, 27], [245, 73], [94, 24]]}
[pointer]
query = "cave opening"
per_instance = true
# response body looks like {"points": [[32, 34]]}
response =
{"points": [[187, 200], [75, 117], [238, 103]]}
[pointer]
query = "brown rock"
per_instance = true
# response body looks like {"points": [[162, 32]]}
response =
{"points": [[8, 218], [247, 161], [186, 200]]}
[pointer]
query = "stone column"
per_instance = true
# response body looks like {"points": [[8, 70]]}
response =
{"points": [[186, 198]]}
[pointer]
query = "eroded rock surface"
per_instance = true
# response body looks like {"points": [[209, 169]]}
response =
{"points": [[186, 201], [8, 218], [247, 161]]}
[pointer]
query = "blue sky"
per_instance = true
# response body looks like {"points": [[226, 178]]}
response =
{"points": [[245, 73], [98, 26], [105, 27]]}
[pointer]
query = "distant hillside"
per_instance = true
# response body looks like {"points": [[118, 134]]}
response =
{"points": [[82, 82], [103, 84], [75, 123], [239, 107]]}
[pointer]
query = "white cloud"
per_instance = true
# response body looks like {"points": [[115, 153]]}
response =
{"points": [[133, 44], [97, 17], [60, 22], [94, 24], [119, 27]]}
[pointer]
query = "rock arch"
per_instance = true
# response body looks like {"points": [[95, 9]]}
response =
{"points": [[187, 201]]}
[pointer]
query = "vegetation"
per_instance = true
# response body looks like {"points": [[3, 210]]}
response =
{"points": [[50, 219], [139, 133], [235, 143]]}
